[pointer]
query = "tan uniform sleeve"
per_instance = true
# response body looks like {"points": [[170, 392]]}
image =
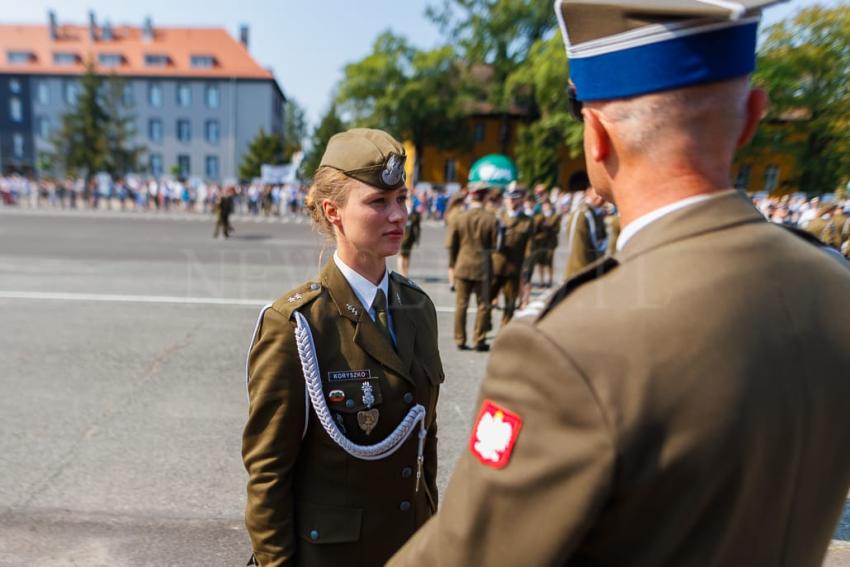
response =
{"points": [[537, 509], [272, 438], [580, 254], [454, 243]]}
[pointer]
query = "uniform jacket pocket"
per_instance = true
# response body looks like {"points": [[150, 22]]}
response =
{"points": [[328, 524]]}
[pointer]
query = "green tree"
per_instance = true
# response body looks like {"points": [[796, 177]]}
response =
{"points": [[263, 149], [329, 125], [804, 64], [540, 82], [122, 157], [81, 144], [96, 132], [294, 129], [412, 94]]}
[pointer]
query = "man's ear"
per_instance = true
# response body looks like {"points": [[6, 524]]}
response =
{"points": [[597, 140], [756, 108]]}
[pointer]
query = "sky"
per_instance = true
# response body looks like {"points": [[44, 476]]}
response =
{"points": [[305, 42]]}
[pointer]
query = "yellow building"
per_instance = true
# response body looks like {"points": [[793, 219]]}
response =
{"points": [[495, 133]]}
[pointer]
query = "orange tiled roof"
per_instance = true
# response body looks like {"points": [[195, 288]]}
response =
{"points": [[178, 44]]}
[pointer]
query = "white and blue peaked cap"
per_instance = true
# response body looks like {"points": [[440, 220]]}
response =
{"points": [[624, 48]]}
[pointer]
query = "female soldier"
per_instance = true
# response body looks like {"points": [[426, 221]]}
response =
{"points": [[341, 440]]}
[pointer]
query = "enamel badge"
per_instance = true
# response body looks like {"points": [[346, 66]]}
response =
{"points": [[494, 435], [336, 396]]}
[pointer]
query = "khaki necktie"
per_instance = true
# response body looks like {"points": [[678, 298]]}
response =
{"points": [[379, 304]]}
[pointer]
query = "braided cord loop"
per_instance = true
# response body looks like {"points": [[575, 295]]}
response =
{"points": [[313, 381]]}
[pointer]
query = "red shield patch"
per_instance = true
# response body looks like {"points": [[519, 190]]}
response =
{"points": [[494, 435]]}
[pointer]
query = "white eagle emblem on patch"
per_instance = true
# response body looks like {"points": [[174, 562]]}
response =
{"points": [[494, 435]]}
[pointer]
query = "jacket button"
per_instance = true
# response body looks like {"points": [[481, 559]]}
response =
{"points": [[404, 506], [314, 535], [349, 404], [408, 398], [406, 472]]}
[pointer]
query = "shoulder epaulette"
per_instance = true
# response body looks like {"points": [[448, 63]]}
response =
{"points": [[287, 303], [588, 274], [406, 281]]}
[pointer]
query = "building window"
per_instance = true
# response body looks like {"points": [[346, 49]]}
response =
{"points": [[110, 59], [742, 180], [203, 61], [15, 86], [65, 58], [212, 96], [184, 95], [19, 57], [771, 177], [16, 110], [72, 91], [480, 132], [155, 95], [18, 145], [155, 164], [155, 130], [212, 167], [156, 60], [184, 165], [127, 95], [42, 92], [184, 130], [450, 170], [42, 127], [212, 131]]}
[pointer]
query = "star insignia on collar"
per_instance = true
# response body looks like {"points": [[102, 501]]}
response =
{"points": [[351, 309], [296, 297]]}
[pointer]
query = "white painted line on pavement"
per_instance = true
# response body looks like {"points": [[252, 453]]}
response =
{"points": [[48, 296], [121, 298]]}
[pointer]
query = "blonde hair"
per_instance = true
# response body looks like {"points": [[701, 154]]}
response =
{"points": [[330, 184]]}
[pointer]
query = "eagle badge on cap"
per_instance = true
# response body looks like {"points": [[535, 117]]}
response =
{"points": [[393, 172], [494, 435]]}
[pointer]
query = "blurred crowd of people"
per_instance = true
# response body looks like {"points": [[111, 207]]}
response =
{"points": [[146, 194], [827, 218]]}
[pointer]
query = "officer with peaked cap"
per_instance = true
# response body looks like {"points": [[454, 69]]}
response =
{"points": [[343, 376], [677, 404], [513, 244]]}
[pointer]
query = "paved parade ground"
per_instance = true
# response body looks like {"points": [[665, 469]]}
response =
{"points": [[122, 395]]}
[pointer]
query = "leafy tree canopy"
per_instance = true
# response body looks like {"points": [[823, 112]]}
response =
{"points": [[329, 125], [263, 149]]}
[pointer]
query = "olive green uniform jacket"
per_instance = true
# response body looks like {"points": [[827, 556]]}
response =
{"points": [[310, 502], [680, 406], [509, 255], [585, 239], [471, 242], [546, 232]]}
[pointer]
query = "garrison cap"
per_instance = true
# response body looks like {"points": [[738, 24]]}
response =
{"points": [[624, 48], [371, 156]]}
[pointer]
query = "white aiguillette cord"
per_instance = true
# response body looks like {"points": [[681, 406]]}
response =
{"points": [[313, 380]]}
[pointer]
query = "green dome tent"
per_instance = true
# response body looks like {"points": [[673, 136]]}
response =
{"points": [[496, 170]]}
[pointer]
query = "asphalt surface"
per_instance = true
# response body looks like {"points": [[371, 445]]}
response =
{"points": [[123, 340]]}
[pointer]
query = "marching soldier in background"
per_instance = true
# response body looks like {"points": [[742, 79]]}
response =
{"points": [[512, 244], [412, 231], [472, 240], [677, 404], [222, 208], [547, 225], [586, 238], [345, 477]]}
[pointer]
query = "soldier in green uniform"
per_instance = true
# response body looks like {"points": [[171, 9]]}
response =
{"points": [[222, 209], [472, 240], [343, 378], [513, 241], [680, 403], [586, 236], [412, 230], [456, 205], [547, 225]]}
